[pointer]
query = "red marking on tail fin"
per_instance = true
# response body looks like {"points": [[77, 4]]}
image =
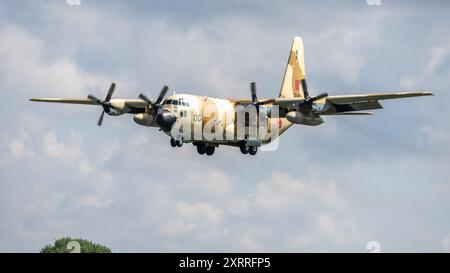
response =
{"points": [[297, 87]]}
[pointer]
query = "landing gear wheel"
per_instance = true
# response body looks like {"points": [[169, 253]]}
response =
{"points": [[210, 150], [179, 142], [173, 142], [244, 148], [253, 150], [201, 149]]}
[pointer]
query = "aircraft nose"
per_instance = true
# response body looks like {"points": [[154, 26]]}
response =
{"points": [[165, 120]]}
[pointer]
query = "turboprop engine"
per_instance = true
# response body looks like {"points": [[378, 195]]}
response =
{"points": [[304, 119]]}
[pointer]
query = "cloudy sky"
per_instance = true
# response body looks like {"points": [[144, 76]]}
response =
{"points": [[335, 187]]}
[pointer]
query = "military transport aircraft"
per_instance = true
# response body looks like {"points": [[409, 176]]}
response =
{"points": [[217, 121]]}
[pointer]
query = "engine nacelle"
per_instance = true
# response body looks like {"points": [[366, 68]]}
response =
{"points": [[145, 119], [300, 118], [119, 106]]}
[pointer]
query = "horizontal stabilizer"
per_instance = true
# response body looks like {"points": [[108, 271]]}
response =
{"points": [[359, 106]]}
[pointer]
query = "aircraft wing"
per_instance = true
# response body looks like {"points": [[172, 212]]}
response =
{"points": [[71, 101], [343, 104], [374, 97], [347, 104], [134, 103]]}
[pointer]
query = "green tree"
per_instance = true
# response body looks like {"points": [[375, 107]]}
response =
{"points": [[69, 245]]}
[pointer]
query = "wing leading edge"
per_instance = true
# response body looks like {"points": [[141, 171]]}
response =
{"points": [[71, 101]]}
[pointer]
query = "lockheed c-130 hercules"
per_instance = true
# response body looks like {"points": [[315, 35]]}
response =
{"points": [[213, 121]]}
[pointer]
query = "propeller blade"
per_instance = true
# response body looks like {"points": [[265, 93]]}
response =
{"points": [[162, 94], [94, 99], [100, 120], [144, 98], [305, 88], [253, 90], [318, 97], [110, 92]]}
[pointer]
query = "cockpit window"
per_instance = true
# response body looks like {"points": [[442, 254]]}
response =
{"points": [[176, 102]]}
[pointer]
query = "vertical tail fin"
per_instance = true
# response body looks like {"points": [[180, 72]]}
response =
{"points": [[294, 81]]}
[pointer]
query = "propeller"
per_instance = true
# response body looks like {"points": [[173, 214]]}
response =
{"points": [[306, 103], [309, 100], [318, 97], [253, 90], [155, 105], [106, 104], [165, 120], [255, 100]]}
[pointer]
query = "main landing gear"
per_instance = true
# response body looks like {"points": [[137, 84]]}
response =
{"points": [[246, 149], [202, 148], [176, 143]]}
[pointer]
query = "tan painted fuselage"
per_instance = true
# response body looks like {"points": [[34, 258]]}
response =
{"points": [[215, 120]]}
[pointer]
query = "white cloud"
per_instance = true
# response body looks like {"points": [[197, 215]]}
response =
{"points": [[27, 67], [282, 191], [240, 207], [211, 184], [445, 243], [409, 82], [200, 221], [305, 214], [437, 56], [434, 135], [17, 148], [344, 47], [53, 147], [329, 228]]}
